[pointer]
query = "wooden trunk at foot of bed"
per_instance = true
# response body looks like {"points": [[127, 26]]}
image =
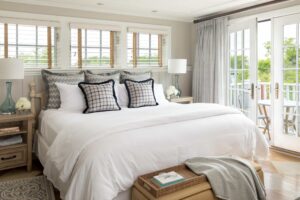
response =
{"points": [[202, 191]]}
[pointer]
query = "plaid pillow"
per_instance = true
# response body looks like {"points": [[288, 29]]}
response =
{"points": [[135, 76], [90, 77], [99, 97], [50, 78], [140, 93]]}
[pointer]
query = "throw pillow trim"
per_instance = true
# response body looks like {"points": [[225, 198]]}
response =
{"points": [[129, 95], [85, 96]]}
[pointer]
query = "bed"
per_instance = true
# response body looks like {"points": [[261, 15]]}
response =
{"points": [[99, 155]]}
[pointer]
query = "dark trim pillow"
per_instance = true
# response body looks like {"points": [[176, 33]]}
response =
{"points": [[99, 97], [50, 78], [91, 77], [140, 93], [135, 76]]}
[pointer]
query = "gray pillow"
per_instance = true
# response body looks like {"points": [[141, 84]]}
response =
{"points": [[90, 77], [50, 78], [140, 93], [135, 76], [99, 97]]}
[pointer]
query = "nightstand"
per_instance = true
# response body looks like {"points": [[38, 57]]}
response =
{"points": [[183, 100], [16, 155]]}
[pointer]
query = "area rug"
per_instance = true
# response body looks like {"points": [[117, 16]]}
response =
{"points": [[287, 168], [35, 188]]}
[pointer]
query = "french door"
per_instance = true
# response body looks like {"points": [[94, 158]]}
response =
{"points": [[286, 54], [242, 67]]}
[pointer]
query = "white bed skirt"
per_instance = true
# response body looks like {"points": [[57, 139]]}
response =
{"points": [[41, 148]]}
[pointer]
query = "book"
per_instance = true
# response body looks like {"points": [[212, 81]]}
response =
{"points": [[10, 129], [166, 179]]}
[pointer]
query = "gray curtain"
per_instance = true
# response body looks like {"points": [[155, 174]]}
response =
{"points": [[209, 72]]}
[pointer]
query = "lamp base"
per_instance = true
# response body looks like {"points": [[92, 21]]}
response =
{"points": [[177, 85], [8, 107]]}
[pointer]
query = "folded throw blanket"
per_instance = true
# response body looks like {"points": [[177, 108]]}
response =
{"points": [[231, 178]]}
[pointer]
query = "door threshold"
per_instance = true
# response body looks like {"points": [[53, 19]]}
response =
{"points": [[285, 151]]}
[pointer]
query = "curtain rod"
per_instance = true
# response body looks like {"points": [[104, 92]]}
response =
{"points": [[238, 10]]}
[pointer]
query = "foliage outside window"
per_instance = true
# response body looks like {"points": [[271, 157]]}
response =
{"points": [[93, 47], [145, 49], [35, 45]]}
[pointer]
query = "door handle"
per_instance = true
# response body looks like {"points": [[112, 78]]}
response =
{"points": [[252, 90], [276, 90]]}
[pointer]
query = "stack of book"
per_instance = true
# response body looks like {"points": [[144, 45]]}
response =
{"points": [[167, 179], [6, 140], [10, 129]]}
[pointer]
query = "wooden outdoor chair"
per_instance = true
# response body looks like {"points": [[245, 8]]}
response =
{"points": [[264, 117], [290, 120]]}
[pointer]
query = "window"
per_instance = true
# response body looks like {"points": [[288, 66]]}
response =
{"points": [[35, 45], [145, 49], [93, 47]]}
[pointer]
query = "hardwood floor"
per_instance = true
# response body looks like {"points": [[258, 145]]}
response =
{"points": [[279, 186]]}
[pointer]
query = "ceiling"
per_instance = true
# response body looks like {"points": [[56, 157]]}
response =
{"points": [[183, 10]]}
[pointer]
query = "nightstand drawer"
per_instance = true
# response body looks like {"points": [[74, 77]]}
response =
{"points": [[13, 157]]}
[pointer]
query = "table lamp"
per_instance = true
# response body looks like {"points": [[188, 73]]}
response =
{"points": [[177, 67], [10, 69]]}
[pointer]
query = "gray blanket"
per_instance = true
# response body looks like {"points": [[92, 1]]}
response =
{"points": [[230, 178]]}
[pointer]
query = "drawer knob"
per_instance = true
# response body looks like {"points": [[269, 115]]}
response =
{"points": [[9, 158]]}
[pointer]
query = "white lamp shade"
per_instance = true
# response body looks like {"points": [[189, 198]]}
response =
{"points": [[177, 66], [11, 68]]}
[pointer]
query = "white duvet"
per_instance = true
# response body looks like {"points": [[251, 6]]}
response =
{"points": [[96, 156]]}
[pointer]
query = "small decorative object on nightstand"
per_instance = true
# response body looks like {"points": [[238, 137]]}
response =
{"points": [[16, 141], [23, 106], [183, 100]]}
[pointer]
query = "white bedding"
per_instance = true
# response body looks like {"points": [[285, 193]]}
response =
{"points": [[97, 156]]}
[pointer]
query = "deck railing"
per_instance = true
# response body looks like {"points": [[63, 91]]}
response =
{"points": [[264, 90], [289, 91]]}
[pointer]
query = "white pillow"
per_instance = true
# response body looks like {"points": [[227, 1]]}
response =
{"points": [[122, 94], [160, 94], [71, 97]]}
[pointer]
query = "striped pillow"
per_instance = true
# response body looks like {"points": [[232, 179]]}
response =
{"points": [[135, 76], [50, 78], [90, 77]]}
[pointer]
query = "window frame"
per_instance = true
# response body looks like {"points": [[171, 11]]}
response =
{"points": [[136, 49], [51, 56], [80, 46]]}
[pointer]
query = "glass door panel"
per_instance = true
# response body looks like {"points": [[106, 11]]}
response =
{"points": [[287, 77], [241, 67]]}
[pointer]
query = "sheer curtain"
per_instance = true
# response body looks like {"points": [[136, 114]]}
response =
{"points": [[209, 73]]}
